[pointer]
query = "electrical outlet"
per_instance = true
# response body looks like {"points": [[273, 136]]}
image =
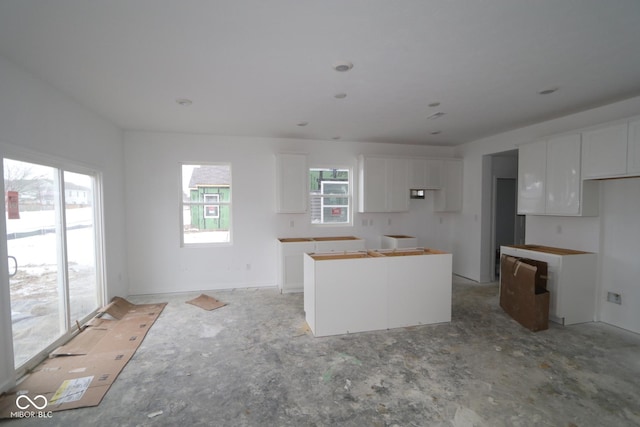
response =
{"points": [[388, 221], [370, 222], [558, 229], [248, 267], [292, 223], [614, 298]]}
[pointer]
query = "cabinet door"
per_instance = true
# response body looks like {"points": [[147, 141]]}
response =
{"points": [[604, 152], [449, 197], [633, 159], [532, 171], [372, 185], [433, 175], [563, 175], [291, 183], [424, 174], [418, 173], [397, 183]]}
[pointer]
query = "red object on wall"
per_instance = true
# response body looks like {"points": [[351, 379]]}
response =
{"points": [[13, 208]]}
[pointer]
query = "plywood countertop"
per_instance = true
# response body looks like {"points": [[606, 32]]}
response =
{"points": [[548, 249]]}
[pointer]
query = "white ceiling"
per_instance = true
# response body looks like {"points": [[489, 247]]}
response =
{"points": [[257, 68]]}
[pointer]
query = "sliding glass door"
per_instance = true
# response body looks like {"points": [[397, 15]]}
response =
{"points": [[82, 273], [52, 245]]}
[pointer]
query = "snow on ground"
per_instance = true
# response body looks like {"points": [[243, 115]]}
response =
{"points": [[35, 294]]}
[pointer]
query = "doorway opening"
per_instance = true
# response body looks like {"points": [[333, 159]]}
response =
{"points": [[507, 227]]}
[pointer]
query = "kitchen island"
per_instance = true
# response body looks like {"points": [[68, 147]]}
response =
{"points": [[373, 290]]}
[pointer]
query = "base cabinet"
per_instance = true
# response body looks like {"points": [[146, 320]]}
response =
{"points": [[398, 241], [290, 275], [419, 290], [571, 280], [375, 290]]}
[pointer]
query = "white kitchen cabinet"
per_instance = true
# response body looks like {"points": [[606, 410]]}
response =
{"points": [[571, 280], [425, 174], [532, 176], [563, 175], [398, 241], [449, 197], [290, 274], [367, 291], [383, 184], [344, 294], [291, 183], [549, 179], [397, 185], [604, 152], [633, 153], [419, 288]]}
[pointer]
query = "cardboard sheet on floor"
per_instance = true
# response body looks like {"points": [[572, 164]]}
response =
{"points": [[80, 373], [206, 302]]}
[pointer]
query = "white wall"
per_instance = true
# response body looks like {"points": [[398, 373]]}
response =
{"points": [[620, 252], [158, 264], [590, 234], [36, 119]]}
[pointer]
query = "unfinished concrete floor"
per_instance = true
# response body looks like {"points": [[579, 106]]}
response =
{"points": [[252, 363]]}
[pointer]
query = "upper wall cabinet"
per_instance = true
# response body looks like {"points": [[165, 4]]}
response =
{"points": [[532, 178], [383, 184], [604, 152], [549, 180], [563, 175], [449, 197], [291, 183], [611, 151], [425, 174]]}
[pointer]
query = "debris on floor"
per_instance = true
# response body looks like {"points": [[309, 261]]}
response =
{"points": [[79, 373], [206, 302]]}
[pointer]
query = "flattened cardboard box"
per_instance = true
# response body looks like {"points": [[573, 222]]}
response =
{"points": [[523, 293], [80, 373]]}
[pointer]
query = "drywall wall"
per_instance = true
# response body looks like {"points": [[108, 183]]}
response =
{"points": [[37, 120], [620, 247], [158, 264]]}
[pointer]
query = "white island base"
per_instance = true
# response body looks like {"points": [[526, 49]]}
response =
{"points": [[374, 290]]}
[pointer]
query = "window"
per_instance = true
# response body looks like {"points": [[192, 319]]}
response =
{"points": [[213, 210], [206, 204], [330, 196]]}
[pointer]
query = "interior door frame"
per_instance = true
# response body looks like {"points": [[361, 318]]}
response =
{"points": [[494, 226]]}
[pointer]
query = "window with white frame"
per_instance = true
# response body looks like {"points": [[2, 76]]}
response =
{"points": [[212, 210], [330, 195], [206, 204]]}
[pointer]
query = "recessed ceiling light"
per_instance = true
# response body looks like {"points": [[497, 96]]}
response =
{"points": [[340, 95], [436, 115], [303, 123], [342, 66], [547, 91], [184, 102], [436, 132], [434, 104]]}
